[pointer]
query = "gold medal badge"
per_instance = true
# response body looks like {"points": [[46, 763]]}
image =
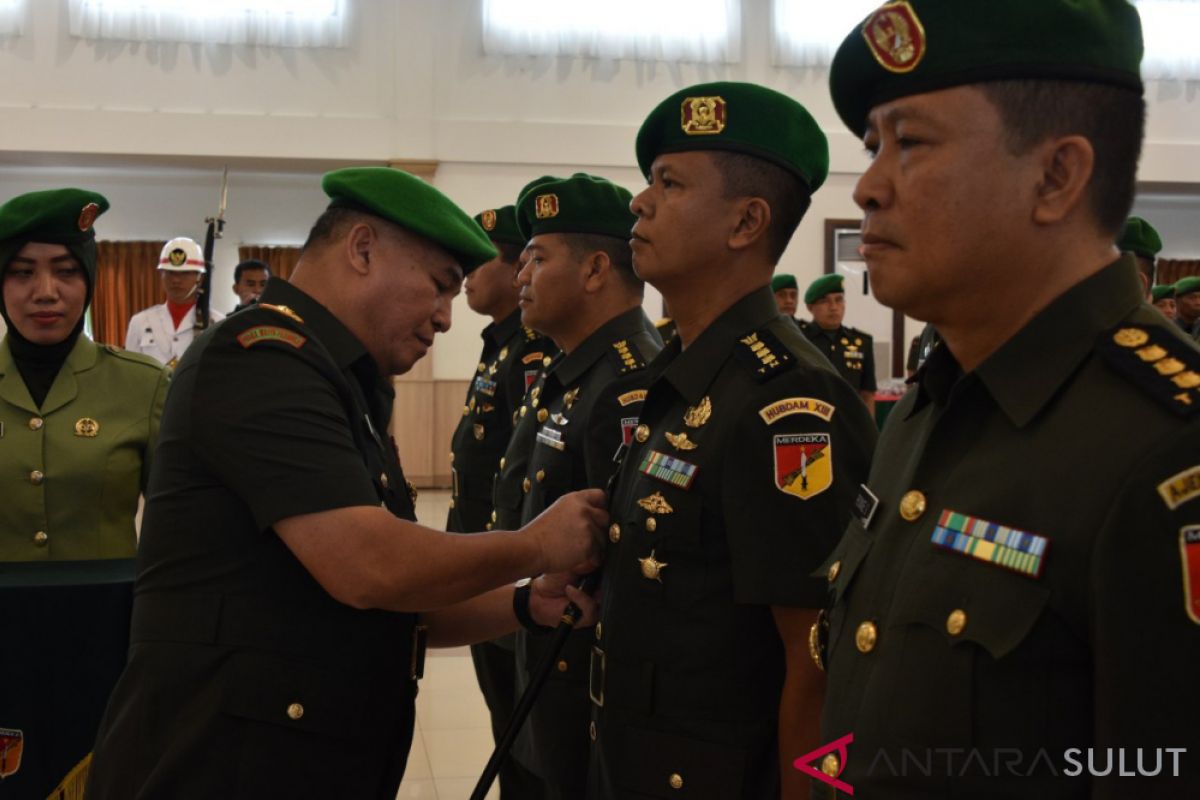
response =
{"points": [[896, 37], [546, 206], [703, 116], [88, 215], [489, 220]]}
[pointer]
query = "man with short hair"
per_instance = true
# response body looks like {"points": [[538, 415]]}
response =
{"points": [[851, 351], [787, 294], [284, 591], [1163, 298], [164, 331], [578, 287], [249, 280], [1016, 596], [740, 474], [1187, 304], [1141, 239]]}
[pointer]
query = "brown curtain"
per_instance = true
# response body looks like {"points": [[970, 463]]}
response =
{"points": [[126, 282], [280, 259], [1170, 270]]}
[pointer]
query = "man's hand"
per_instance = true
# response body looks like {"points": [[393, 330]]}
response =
{"points": [[570, 533], [549, 595]]}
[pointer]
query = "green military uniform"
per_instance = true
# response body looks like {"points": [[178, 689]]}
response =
{"points": [[1020, 578], [735, 487], [1183, 288], [74, 467], [851, 351]]}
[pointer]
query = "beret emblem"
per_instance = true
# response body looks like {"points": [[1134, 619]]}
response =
{"points": [[87, 216], [489, 220], [895, 37], [701, 116], [546, 206]]}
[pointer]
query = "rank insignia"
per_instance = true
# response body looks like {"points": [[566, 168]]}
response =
{"points": [[796, 405], [803, 463], [703, 116], [270, 333], [478, 431], [1017, 550], [287, 312], [895, 37], [546, 206], [656, 504], [1189, 549], [87, 216], [12, 743], [668, 469], [87, 428], [1156, 362], [1181, 487], [626, 357], [628, 426], [630, 398], [763, 354], [680, 441], [697, 415], [488, 218]]}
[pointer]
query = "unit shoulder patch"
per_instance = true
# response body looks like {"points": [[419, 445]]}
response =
{"points": [[270, 333], [629, 398], [1180, 487], [1157, 363], [796, 405]]}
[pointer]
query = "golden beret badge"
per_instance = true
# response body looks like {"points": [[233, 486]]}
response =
{"points": [[701, 116], [895, 37]]}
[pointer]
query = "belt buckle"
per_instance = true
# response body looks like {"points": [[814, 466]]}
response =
{"points": [[596, 677], [420, 641]]}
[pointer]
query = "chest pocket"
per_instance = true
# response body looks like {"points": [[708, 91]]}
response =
{"points": [[676, 569]]}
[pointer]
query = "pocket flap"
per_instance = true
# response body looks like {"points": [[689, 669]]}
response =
{"points": [[293, 694], [656, 764]]}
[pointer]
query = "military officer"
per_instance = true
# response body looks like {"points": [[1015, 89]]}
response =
{"points": [[787, 295], [577, 286], [1140, 238], [851, 351], [1015, 602], [1187, 304], [739, 477], [1163, 298], [284, 590], [164, 331], [510, 361]]}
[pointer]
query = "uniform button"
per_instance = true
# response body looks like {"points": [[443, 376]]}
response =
{"points": [[546, 361], [642, 433], [466, 410], [451, 503], [614, 533], [592, 730], [562, 666], [493, 516], [452, 458], [36, 477], [675, 781], [956, 622], [651, 524], [525, 485], [40, 538], [502, 462], [383, 478], [830, 765], [865, 637], [36, 423], [543, 415], [487, 527], [912, 505], [599, 631], [524, 410], [541, 475], [834, 570], [295, 711]]}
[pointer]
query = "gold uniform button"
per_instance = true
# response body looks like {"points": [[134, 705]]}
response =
{"points": [[642, 433], [40, 538], [502, 462], [452, 458], [541, 475], [956, 623], [546, 361], [452, 503], [295, 711], [543, 415], [865, 637], [614, 533], [835, 569], [830, 765], [487, 527], [493, 516], [383, 478], [524, 410], [599, 631], [675, 781], [466, 410], [562, 666], [912, 505], [592, 730], [525, 486], [36, 423], [36, 477]]}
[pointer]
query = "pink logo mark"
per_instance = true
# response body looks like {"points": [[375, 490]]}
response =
{"points": [[805, 763]]}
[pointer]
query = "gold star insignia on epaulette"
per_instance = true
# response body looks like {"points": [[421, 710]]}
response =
{"points": [[628, 362], [287, 312], [764, 354], [697, 415], [680, 441], [1158, 363]]}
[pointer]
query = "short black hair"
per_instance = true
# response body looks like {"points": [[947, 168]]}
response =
{"points": [[510, 253], [336, 220], [1112, 118], [249, 263], [787, 196], [619, 253]]}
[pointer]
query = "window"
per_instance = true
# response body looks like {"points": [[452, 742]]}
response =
{"points": [[664, 30], [272, 23], [1167, 27], [12, 14]]}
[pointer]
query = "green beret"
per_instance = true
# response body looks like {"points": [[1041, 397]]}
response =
{"points": [[1140, 238], [916, 46], [783, 281], [741, 118], [54, 216], [1187, 285], [413, 204], [500, 224], [1162, 292], [579, 204], [826, 284]]}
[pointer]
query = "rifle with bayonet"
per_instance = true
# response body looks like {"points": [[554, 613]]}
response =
{"points": [[216, 228]]}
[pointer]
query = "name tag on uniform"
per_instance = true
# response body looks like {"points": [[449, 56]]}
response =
{"points": [[864, 505]]}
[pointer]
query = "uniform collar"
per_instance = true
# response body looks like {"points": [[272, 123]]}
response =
{"points": [[691, 371], [623, 326], [1027, 370], [64, 389], [500, 332], [335, 336]]}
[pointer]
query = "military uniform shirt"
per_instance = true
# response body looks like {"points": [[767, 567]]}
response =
{"points": [[509, 364], [245, 677], [851, 352], [736, 486], [1015, 582]]}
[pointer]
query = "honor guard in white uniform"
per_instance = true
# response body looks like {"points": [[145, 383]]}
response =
{"points": [[164, 331]]}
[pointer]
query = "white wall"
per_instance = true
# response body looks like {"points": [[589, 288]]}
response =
{"points": [[149, 125]]}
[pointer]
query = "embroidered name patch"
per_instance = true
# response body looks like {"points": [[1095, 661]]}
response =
{"points": [[1189, 548], [629, 398], [668, 469], [1178, 489], [1019, 551], [270, 333], [796, 405]]}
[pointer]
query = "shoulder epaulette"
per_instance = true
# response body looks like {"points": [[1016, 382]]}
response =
{"points": [[628, 356], [1157, 363], [284, 310], [763, 354], [136, 358], [531, 335]]}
